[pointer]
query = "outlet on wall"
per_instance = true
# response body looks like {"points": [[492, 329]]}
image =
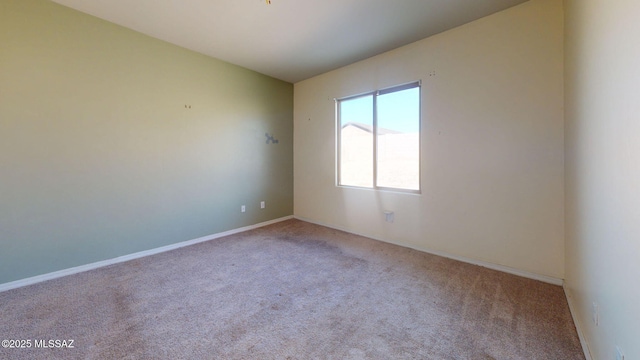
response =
{"points": [[594, 314], [262, 205], [243, 208]]}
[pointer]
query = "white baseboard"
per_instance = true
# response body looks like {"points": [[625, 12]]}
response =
{"points": [[506, 269], [577, 323], [120, 259]]}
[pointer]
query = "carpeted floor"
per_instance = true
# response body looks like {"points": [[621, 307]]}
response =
{"points": [[292, 290]]}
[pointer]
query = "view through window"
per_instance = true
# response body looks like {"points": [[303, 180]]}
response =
{"points": [[379, 139]]}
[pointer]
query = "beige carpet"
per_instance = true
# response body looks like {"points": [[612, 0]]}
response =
{"points": [[292, 290]]}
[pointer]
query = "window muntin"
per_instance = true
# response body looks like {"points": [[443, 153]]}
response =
{"points": [[391, 158]]}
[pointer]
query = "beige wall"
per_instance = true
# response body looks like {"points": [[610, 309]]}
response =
{"points": [[99, 157], [492, 155], [603, 172]]}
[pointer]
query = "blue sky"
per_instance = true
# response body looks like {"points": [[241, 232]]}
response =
{"points": [[398, 110]]}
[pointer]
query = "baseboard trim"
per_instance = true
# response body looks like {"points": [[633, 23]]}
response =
{"points": [[502, 268], [82, 268], [577, 323]]}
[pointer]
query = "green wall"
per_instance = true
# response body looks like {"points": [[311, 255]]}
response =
{"points": [[99, 157]]}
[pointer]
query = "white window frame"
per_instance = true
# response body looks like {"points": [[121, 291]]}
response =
{"points": [[375, 94]]}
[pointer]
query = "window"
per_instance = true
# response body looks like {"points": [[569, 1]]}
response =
{"points": [[379, 139]]}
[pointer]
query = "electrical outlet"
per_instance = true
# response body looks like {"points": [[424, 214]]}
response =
{"points": [[243, 208], [262, 206], [594, 315], [619, 354], [389, 216]]}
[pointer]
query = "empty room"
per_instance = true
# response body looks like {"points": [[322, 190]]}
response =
{"points": [[279, 179]]}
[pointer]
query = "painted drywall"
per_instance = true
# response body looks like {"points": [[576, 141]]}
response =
{"points": [[603, 172], [492, 143], [99, 155]]}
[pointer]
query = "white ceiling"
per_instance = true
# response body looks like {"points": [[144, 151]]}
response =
{"points": [[290, 40]]}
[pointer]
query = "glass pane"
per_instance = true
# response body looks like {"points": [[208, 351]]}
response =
{"points": [[356, 142], [399, 139]]}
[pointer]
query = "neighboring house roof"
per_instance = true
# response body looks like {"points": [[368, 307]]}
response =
{"points": [[369, 128]]}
